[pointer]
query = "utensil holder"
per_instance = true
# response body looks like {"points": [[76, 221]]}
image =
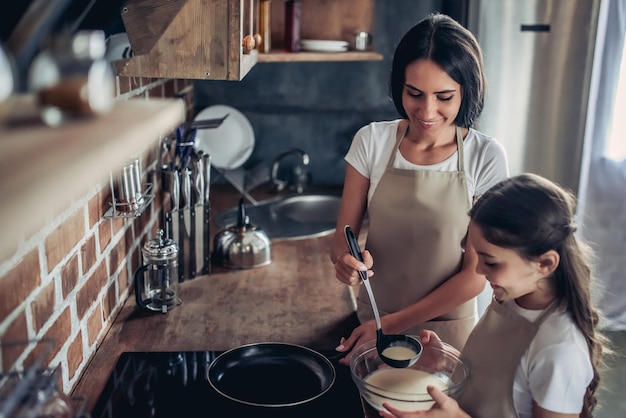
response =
{"points": [[132, 199]]}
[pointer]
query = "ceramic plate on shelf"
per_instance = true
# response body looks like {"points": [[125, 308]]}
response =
{"points": [[319, 45], [230, 144]]}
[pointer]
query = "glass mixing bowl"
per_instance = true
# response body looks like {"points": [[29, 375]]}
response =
{"points": [[405, 388]]}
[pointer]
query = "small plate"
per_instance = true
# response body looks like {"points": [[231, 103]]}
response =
{"points": [[320, 45], [230, 144]]}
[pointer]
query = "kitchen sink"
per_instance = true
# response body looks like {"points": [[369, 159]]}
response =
{"points": [[290, 217]]}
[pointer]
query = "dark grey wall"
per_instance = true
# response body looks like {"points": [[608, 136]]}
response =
{"points": [[318, 106]]}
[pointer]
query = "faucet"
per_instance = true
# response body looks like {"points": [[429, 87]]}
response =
{"points": [[299, 175]]}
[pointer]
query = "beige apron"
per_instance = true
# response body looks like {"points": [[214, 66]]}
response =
{"points": [[493, 353], [418, 220]]}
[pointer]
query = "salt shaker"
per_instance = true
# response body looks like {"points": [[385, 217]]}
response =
{"points": [[71, 77]]}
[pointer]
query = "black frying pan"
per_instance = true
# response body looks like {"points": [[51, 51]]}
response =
{"points": [[271, 374]]}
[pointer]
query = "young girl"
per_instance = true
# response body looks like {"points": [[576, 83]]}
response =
{"points": [[535, 352]]}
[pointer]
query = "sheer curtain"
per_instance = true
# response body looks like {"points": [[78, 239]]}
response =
{"points": [[602, 195], [616, 146]]}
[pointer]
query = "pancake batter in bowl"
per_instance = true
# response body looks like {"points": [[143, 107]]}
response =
{"points": [[402, 388]]}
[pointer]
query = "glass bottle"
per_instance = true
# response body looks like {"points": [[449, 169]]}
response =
{"points": [[265, 26], [71, 77], [293, 18], [50, 401]]}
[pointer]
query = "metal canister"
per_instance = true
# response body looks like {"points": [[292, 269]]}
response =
{"points": [[71, 77]]}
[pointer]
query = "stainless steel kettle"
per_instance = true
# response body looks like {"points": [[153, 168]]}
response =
{"points": [[243, 245]]}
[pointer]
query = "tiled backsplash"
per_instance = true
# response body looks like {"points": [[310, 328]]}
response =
{"points": [[67, 280]]}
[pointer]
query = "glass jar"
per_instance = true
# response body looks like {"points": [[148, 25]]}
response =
{"points": [[156, 281], [71, 78], [55, 404]]}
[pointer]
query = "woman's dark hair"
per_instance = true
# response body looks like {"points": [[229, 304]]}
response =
{"points": [[532, 215], [454, 48]]}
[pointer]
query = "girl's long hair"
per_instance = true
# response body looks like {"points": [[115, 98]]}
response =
{"points": [[531, 215]]}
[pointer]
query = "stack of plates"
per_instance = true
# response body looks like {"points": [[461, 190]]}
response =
{"points": [[318, 45]]}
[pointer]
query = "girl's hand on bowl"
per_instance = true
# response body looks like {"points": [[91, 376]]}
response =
{"points": [[433, 353], [428, 337]]}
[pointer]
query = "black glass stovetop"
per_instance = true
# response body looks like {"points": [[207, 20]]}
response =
{"points": [[174, 384]]}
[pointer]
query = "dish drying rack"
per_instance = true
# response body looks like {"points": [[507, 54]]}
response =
{"points": [[27, 385]]}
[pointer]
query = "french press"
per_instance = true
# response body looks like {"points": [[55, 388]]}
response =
{"points": [[156, 281]]}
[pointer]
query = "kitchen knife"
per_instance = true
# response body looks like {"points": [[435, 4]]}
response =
{"points": [[186, 196], [169, 186], [178, 227], [192, 237], [168, 225], [194, 199], [205, 123], [198, 210], [178, 148], [185, 215], [206, 232]]}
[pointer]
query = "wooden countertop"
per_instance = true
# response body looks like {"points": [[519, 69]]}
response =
{"points": [[295, 299]]}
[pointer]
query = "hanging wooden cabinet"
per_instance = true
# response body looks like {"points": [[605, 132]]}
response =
{"points": [[202, 39], [189, 39]]}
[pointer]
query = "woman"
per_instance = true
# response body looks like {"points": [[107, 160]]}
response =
{"points": [[535, 353], [417, 177]]}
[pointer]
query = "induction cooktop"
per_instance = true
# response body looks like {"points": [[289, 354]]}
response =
{"points": [[174, 384]]}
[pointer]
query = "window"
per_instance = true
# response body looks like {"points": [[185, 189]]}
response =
{"points": [[616, 145]]}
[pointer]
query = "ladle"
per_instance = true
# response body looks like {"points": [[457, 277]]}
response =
{"points": [[396, 350]]}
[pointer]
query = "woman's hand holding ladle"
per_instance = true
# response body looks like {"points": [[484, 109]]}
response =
{"points": [[394, 349]]}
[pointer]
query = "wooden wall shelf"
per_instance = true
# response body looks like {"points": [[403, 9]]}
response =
{"points": [[280, 56], [43, 168]]}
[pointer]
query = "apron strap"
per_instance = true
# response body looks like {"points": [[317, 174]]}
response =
{"points": [[400, 133], [459, 145], [542, 317]]}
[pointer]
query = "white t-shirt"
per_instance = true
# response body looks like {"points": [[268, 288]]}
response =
{"points": [[556, 369], [485, 158]]}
